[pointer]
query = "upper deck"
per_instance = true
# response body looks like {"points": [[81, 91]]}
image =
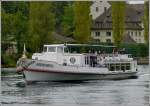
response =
{"points": [[61, 54]]}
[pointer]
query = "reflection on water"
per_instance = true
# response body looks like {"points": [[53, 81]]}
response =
{"points": [[129, 92]]}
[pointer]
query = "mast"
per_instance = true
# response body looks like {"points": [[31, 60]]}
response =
{"points": [[24, 52]]}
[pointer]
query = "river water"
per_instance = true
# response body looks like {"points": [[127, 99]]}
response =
{"points": [[128, 92]]}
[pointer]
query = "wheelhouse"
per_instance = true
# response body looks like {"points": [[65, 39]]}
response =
{"points": [[61, 48]]}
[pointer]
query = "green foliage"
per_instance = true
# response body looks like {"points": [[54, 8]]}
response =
{"points": [[7, 26], [14, 24], [58, 9], [9, 61], [137, 50], [118, 21], [146, 21], [14, 6], [67, 20], [20, 29], [41, 24], [82, 21]]}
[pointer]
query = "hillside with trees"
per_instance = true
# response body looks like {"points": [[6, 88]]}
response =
{"points": [[37, 23]]}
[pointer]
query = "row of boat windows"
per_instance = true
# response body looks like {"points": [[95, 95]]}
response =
{"points": [[53, 49], [93, 62], [119, 66]]}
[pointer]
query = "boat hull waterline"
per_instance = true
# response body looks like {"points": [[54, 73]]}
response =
{"points": [[52, 76]]}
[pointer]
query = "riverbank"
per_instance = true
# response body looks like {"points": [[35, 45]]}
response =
{"points": [[8, 71]]}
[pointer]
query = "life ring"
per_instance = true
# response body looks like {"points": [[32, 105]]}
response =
{"points": [[72, 60]]}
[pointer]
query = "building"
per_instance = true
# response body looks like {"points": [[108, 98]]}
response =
{"points": [[98, 7], [9, 47], [101, 30]]}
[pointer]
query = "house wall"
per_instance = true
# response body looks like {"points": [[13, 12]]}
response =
{"points": [[103, 37], [136, 35], [100, 35], [98, 7]]}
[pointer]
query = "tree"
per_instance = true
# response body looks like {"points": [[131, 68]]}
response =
{"points": [[41, 24], [20, 29], [118, 21], [7, 25], [82, 21], [14, 23], [14, 6], [146, 21], [58, 9], [67, 24]]}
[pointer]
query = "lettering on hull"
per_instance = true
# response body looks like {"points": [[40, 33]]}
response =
{"points": [[44, 65]]}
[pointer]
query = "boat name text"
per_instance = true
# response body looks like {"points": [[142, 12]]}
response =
{"points": [[44, 65]]}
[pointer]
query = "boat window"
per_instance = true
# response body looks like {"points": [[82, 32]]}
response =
{"points": [[60, 49], [66, 50], [45, 49], [128, 66], [130, 56], [51, 49], [112, 67], [123, 67], [117, 67]]}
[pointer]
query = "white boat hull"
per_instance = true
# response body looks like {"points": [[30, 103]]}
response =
{"points": [[32, 76], [39, 70]]}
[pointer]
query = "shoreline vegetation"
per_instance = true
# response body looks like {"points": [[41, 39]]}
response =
{"points": [[138, 52]]}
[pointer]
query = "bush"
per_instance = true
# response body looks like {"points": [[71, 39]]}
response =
{"points": [[9, 60], [137, 50]]}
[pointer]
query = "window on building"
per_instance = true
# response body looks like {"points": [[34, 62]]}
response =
{"points": [[139, 33], [97, 24], [132, 33], [128, 33], [108, 40], [97, 34], [108, 33], [136, 40], [97, 40], [105, 8], [97, 9], [139, 40], [135, 33], [91, 15]]}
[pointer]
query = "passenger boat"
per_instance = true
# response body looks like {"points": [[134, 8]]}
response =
{"points": [[56, 63]]}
